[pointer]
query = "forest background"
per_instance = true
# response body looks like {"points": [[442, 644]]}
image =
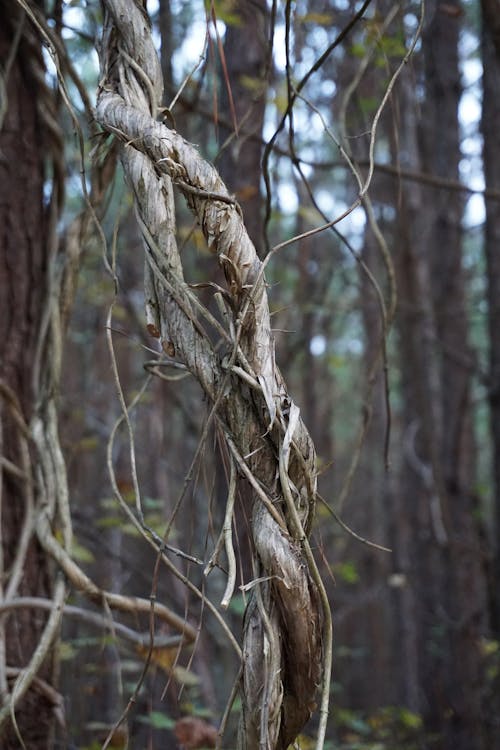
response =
{"points": [[370, 133]]}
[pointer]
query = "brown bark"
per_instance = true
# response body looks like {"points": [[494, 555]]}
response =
{"points": [[491, 160], [167, 45], [23, 267], [245, 49], [446, 597], [375, 631]]}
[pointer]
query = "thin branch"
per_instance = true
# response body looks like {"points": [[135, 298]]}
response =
{"points": [[386, 96], [83, 583], [348, 528], [28, 674], [49, 693], [316, 66], [92, 618], [227, 530], [158, 543]]}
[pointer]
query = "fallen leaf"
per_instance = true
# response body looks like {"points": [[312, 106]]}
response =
{"points": [[194, 733]]}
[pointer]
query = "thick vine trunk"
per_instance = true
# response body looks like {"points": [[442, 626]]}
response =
{"points": [[269, 444]]}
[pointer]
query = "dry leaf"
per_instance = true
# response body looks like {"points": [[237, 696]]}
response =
{"points": [[193, 733]]}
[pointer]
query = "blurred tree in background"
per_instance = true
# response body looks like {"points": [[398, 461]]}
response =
{"points": [[360, 142]]}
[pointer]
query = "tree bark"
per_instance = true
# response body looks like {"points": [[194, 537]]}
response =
{"points": [[444, 561], [490, 44], [246, 52], [491, 161], [23, 286]]}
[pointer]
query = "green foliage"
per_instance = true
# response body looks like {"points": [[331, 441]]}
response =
{"points": [[358, 50], [388, 728], [81, 553], [347, 572], [224, 11], [318, 19], [368, 104], [66, 651], [352, 720], [157, 720], [237, 605], [491, 652], [392, 46]]}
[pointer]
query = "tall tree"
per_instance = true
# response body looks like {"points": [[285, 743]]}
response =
{"points": [[25, 245], [490, 45], [444, 566], [491, 160], [248, 64]]}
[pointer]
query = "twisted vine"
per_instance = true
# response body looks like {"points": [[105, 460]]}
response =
{"points": [[283, 625]]}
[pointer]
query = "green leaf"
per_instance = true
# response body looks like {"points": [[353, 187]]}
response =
{"points": [[66, 651], [157, 720], [81, 554], [224, 12], [152, 503], [319, 19], [368, 104], [237, 605], [358, 50], [347, 572], [186, 677], [410, 719], [392, 46], [353, 721]]}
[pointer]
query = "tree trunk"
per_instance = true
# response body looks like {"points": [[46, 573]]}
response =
{"points": [[23, 286], [444, 561], [491, 160], [245, 49]]}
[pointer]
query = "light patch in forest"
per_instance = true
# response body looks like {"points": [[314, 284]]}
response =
{"points": [[268, 128], [328, 88], [472, 71], [355, 346], [287, 198], [327, 203], [317, 345], [357, 219], [471, 146], [475, 212], [467, 45], [191, 48], [469, 109], [279, 47], [50, 68], [411, 22], [74, 17]]}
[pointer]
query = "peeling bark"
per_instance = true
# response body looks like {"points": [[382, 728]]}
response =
{"points": [[282, 648]]}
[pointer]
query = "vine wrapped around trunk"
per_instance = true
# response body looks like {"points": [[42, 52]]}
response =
{"points": [[282, 648]]}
